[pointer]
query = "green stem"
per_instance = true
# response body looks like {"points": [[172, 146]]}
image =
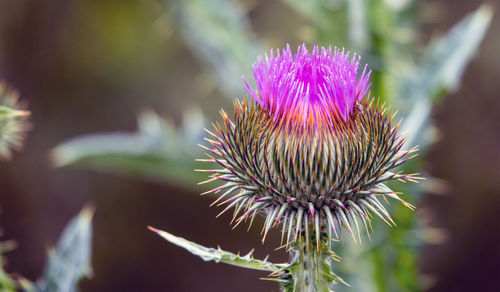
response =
{"points": [[310, 268]]}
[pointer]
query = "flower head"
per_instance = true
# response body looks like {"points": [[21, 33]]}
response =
{"points": [[309, 152], [13, 122]]}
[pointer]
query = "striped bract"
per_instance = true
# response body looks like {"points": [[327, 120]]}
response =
{"points": [[307, 178]]}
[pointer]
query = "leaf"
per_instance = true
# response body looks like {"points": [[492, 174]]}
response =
{"points": [[219, 34], [442, 68], [157, 150], [218, 255], [70, 260]]}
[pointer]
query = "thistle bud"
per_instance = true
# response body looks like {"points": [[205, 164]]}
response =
{"points": [[13, 122], [309, 150]]}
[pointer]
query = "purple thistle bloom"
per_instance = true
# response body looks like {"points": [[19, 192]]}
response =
{"points": [[301, 154], [309, 87]]}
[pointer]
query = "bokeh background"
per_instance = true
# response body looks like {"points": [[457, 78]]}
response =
{"points": [[87, 66]]}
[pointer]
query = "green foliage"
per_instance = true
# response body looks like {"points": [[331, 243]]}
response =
{"points": [[156, 151], [67, 264], [440, 70], [70, 260], [310, 268], [218, 255]]}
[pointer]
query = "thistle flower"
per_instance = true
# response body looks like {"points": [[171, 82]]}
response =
{"points": [[309, 150], [13, 122]]}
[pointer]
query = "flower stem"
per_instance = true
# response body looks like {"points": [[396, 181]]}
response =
{"points": [[310, 268]]}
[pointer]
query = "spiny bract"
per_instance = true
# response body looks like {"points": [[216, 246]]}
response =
{"points": [[308, 152]]}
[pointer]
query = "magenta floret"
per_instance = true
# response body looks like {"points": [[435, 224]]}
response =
{"points": [[309, 86]]}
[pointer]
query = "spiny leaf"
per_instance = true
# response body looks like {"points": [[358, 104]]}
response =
{"points": [[156, 151], [70, 260], [442, 68], [218, 255]]}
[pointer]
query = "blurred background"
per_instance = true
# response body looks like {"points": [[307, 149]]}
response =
{"points": [[136, 81]]}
